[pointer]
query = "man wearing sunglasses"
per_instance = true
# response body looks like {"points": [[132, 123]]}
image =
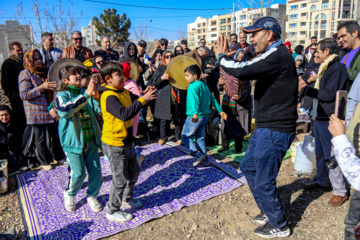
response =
{"points": [[77, 50]]}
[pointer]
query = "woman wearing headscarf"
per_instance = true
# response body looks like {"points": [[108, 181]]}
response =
{"points": [[95, 70], [37, 93], [131, 51], [170, 102], [288, 46], [299, 50]]}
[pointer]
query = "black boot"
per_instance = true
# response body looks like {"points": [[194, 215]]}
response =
{"points": [[223, 148]]}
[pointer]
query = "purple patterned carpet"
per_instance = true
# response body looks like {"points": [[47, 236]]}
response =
{"points": [[167, 183]]}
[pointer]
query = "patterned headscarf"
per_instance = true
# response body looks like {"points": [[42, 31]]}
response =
{"points": [[29, 64]]}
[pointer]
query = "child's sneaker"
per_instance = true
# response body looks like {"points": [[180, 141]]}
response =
{"points": [[268, 231], [94, 204], [261, 218], [119, 216], [206, 162], [69, 202], [198, 159], [133, 203]]}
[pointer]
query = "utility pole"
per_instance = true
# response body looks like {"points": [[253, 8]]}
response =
{"points": [[233, 24]]}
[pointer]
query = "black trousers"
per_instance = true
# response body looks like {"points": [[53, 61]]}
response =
{"points": [[238, 141], [47, 142], [353, 217], [164, 126]]}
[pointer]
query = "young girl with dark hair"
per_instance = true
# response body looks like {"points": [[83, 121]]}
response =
{"points": [[80, 135]]}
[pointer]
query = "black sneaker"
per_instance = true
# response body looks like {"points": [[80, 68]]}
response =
{"points": [[261, 218], [267, 231]]}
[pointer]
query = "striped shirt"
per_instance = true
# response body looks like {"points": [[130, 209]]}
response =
{"points": [[35, 101]]}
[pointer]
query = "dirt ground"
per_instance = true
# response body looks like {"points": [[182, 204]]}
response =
{"points": [[228, 216]]}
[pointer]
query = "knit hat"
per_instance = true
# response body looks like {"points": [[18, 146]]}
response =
{"points": [[299, 57], [126, 69], [287, 44]]}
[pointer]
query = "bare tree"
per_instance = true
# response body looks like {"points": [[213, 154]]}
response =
{"points": [[180, 35], [58, 20], [142, 32]]}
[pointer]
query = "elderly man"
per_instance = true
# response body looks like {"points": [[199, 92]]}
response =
{"points": [[77, 50], [199, 54], [106, 51], [184, 46], [202, 42], [49, 53], [249, 48], [275, 113], [10, 71]]}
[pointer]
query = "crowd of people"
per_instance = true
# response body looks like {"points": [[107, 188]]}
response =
{"points": [[98, 106]]}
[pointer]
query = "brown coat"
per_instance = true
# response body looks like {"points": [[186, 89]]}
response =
{"points": [[69, 52], [194, 54]]}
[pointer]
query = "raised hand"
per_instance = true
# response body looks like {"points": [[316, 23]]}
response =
{"points": [[150, 95], [90, 89], [221, 46]]}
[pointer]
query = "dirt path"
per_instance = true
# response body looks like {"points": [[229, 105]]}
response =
{"points": [[228, 216]]}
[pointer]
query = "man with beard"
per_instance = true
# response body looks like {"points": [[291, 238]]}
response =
{"points": [[10, 71], [106, 51], [184, 46], [275, 113], [249, 48], [234, 45]]}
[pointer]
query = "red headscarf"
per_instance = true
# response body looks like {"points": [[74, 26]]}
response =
{"points": [[289, 44]]}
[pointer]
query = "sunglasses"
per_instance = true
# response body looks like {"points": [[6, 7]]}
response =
{"points": [[77, 39], [313, 49], [163, 44], [169, 56], [202, 42]]}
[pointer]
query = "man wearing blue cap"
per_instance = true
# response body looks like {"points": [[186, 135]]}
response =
{"points": [[275, 113]]}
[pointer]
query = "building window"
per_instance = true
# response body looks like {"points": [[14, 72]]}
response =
{"points": [[322, 34], [213, 35], [222, 28], [303, 14], [292, 25], [199, 25], [323, 25], [213, 29], [256, 15], [302, 33], [316, 25], [222, 21], [332, 26], [203, 24], [242, 17], [293, 34], [325, 5], [303, 5], [293, 7], [313, 8], [302, 42], [323, 16], [193, 29], [198, 31], [302, 24], [292, 16]]}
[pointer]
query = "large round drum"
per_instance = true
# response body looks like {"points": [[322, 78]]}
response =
{"points": [[53, 74], [134, 72], [176, 70]]}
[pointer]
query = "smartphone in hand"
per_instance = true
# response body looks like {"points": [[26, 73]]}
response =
{"points": [[340, 104]]}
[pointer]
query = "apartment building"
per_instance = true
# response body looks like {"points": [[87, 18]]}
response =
{"points": [[320, 18], [247, 16], [211, 28], [89, 35]]}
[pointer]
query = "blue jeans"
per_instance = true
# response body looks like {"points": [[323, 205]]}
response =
{"points": [[261, 165], [194, 131]]}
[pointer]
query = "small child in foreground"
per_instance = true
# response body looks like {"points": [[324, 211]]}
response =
{"points": [[198, 102], [79, 136], [119, 107]]}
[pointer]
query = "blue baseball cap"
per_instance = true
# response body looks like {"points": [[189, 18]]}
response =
{"points": [[266, 23]]}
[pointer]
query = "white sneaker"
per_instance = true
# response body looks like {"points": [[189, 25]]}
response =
{"points": [[94, 204], [133, 203], [69, 202], [119, 216]]}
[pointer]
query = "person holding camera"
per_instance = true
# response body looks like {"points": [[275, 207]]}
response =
{"points": [[349, 162], [332, 76]]}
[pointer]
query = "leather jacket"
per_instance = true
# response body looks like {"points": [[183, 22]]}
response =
{"points": [[70, 52]]}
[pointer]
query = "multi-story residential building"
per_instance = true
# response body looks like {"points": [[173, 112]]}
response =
{"points": [[211, 28], [247, 16], [320, 18], [89, 35], [208, 29], [61, 40], [13, 31]]}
